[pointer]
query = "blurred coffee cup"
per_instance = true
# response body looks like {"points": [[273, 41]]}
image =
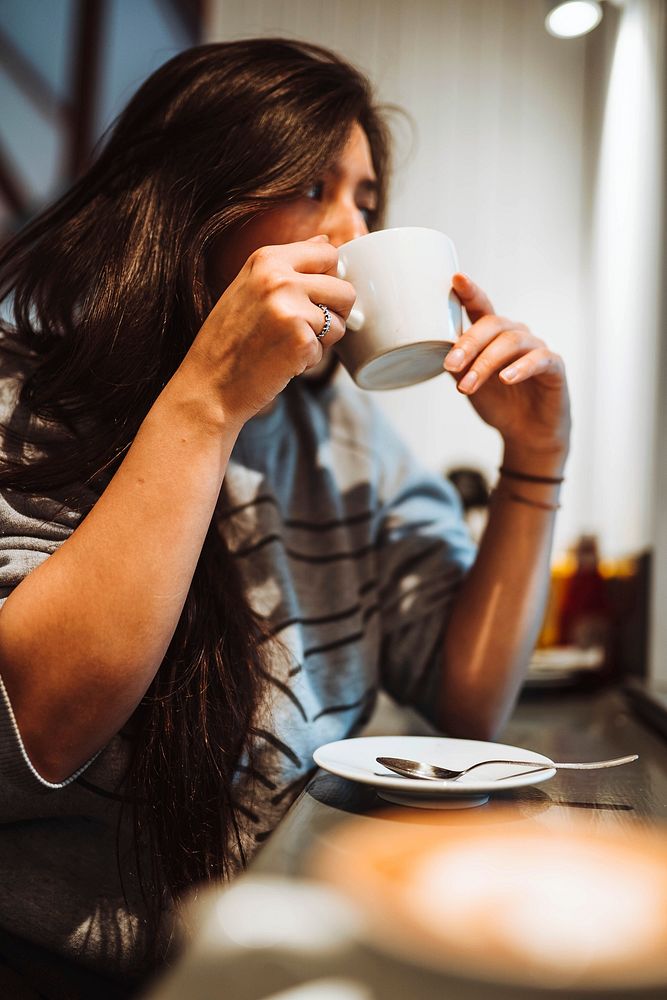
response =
{"points": [[512, 909], [406, 315]]}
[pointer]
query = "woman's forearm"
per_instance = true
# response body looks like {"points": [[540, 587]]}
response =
{"points": [[498, 614], [83, 635]]}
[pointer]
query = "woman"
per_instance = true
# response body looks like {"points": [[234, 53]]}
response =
{"points": [[210, 562]]}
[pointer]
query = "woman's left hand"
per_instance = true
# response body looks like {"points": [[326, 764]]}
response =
{"points": [[513, 380]]}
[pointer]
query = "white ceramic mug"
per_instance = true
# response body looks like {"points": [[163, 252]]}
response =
{"points": [[406, 314]]}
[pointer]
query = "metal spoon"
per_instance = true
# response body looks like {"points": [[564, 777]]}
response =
{"points": [[431, 772]]}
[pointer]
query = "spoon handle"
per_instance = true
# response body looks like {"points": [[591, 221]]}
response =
{"points": [[600, 763], [588, 765]]}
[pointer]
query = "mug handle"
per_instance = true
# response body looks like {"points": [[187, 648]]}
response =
{"points": [[356, 319]]}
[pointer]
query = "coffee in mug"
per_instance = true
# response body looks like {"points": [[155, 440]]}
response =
{"points": [[406, 315]]}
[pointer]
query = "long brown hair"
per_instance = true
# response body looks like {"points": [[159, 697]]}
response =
{"points": [[108, 290]]}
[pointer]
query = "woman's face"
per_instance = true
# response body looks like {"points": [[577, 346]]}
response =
{"points": [[338, 204]]}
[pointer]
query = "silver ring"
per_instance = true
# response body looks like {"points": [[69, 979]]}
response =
{"points": [[327, 321]]}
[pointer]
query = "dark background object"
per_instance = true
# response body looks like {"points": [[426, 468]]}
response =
{"points": [[67, 67], [472, 486]]}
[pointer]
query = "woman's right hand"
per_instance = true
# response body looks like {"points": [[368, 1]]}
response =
{"points": [[263, 330]]}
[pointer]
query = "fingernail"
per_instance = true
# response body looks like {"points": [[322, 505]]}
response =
{"points": [[468, 382], [455, 359], [509, 374]]}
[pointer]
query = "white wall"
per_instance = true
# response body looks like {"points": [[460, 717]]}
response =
{"points": [[501, 164], [627, 262], [638, 71]]}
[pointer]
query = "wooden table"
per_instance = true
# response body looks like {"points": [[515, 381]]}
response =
{"points": [[561, 726], [564, 726]]}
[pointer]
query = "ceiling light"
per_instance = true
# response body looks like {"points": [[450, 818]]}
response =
{"points": [[575, 17]]}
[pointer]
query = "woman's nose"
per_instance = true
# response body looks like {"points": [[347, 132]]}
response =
{"points": [[347, 225]]}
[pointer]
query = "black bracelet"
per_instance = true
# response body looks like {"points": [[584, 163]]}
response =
{"points": [[533, 503], [513, 474]]}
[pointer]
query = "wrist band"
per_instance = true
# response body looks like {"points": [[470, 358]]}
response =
{"points": [[513, 474], [532, 503]]}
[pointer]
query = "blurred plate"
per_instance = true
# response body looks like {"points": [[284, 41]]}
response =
{"points": [[561, 665]]}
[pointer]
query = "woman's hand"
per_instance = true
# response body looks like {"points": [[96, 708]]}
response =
{"points": [[263, 330], [513, 380]]}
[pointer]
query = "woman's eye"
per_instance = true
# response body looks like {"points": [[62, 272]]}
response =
{"points": [[315, 191]]}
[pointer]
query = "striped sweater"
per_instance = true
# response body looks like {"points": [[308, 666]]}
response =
{"points": [[351, 551]]}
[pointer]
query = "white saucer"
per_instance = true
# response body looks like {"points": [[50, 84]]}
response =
{"points": [[355, 759], [421, 802]]}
